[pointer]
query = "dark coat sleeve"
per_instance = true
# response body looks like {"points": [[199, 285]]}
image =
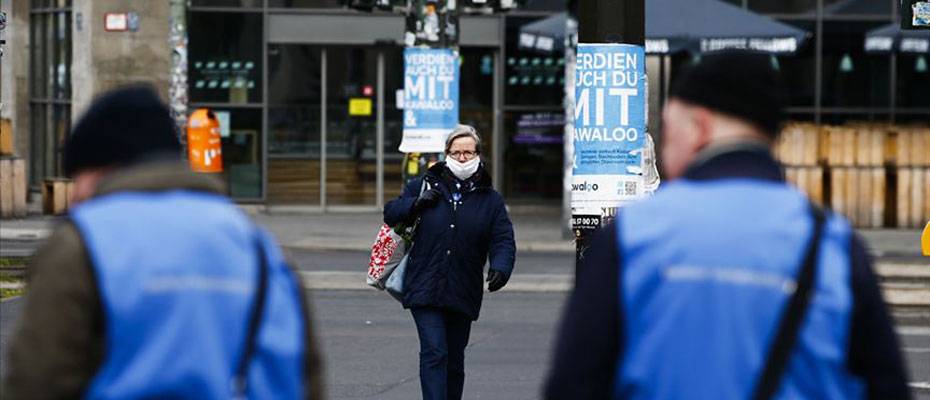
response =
{"points": [[873, 354], [503, 247], [399, 210], [589, 343], [58, 344]]}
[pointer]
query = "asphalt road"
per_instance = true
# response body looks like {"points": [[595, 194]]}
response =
{"points": [[371, 348], [370, 345]]}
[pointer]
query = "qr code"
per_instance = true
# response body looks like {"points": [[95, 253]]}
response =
{"points": [[628, 189]]}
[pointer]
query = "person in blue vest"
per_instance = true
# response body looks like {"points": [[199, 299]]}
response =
{"points": [[687, 294], [156, 285], [463, 224]]}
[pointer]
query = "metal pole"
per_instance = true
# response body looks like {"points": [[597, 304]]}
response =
{"points": [[612, 21], [497, 138], [323, 100], [607, 21], [379, 139], [818, 64]]}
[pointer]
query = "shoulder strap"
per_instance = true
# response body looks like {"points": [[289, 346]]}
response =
{"points": [[240, 380], [792, 316]]}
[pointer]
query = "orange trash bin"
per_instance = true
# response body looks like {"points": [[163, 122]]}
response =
{"points": [[204, 144]]}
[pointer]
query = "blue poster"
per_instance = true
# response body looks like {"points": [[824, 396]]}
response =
{"points": [[431, 98], [610, 125]]}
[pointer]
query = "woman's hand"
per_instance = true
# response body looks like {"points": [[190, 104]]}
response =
{"points": [[496, 280], [427, 199]]}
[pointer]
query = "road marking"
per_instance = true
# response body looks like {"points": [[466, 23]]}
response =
{"points": [[344, 280], [916, 349], [921, 385], [914, 331]]}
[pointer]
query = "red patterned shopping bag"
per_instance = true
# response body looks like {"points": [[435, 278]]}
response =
{"points": [[386, 253]]}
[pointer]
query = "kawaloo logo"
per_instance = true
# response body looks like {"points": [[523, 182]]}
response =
{"points": [[584, 187]]}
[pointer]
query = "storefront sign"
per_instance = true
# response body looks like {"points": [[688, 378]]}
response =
{"points": [[431, 98], [360, 107], [610, 126]]}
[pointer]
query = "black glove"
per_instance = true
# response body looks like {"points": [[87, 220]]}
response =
{"points": [[496, 280], [426, 200]]}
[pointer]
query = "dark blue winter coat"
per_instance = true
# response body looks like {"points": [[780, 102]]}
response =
{"points": [[453, 241]]}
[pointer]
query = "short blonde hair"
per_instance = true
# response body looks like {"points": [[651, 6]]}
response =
{"points": [[463, 131]]}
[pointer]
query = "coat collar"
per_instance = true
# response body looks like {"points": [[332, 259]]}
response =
{"points": [[158, 176], [744, 159]]}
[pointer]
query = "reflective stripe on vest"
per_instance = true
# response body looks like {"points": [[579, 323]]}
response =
{"points": [[176, 273], [706, 269]]}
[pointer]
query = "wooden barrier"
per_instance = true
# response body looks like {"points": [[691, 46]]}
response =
{"points": [[913, 192], [56, 195], [12, 188], [808, 180], [859, 194]]}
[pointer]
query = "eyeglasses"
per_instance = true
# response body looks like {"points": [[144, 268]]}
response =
{"points": [[467, 154]]}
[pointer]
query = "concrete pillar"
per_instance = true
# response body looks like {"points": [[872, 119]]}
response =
{"points": [[105, 60], [14, 80]]}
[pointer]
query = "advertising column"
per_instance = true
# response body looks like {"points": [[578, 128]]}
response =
{"points": [[431, 98], [609, 133]]}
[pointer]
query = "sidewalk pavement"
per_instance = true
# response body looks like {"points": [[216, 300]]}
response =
{"points": [[537, 230]]}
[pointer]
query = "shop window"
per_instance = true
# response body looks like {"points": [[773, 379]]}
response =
{"points": [[852, 78], [534, 155], [913, 83], [922, 119], [799, 70], [531, 78], [50, 85], [294, 90], [225, 57], [227, 3], [307, 3], [840, 118]]}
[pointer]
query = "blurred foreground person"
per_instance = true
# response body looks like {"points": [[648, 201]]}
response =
{"points": [[728, 283], [157, 285]]}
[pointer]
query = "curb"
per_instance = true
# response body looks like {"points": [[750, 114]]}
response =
{"points": [[342, 280], [24, 234]]}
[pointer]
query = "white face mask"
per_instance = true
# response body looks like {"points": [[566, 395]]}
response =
{"points": [[463, 170]]}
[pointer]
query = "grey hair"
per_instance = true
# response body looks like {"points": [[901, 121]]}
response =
{"points": [[461, 131]]}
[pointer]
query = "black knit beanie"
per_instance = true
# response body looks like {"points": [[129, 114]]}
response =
{"points": [[121, 127], [739, 83]]}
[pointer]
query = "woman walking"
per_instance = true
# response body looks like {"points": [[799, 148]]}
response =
{"points": [[463, 223]]}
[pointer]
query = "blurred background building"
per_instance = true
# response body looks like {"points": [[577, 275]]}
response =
{"points": [[281, 74]]}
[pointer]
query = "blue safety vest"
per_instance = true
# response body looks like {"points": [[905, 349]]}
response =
{"points": [[177, 276], [707, 267]]}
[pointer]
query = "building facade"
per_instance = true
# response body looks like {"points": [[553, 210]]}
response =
{"points": [[281, 74]]}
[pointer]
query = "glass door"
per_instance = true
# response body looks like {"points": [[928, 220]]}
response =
{"points": [[351, 125], [295, 107]]}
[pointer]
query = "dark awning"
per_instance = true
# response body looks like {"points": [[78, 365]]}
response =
{"points": [[546, 35], [693, 25], [708, 25], [890, 38]]}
